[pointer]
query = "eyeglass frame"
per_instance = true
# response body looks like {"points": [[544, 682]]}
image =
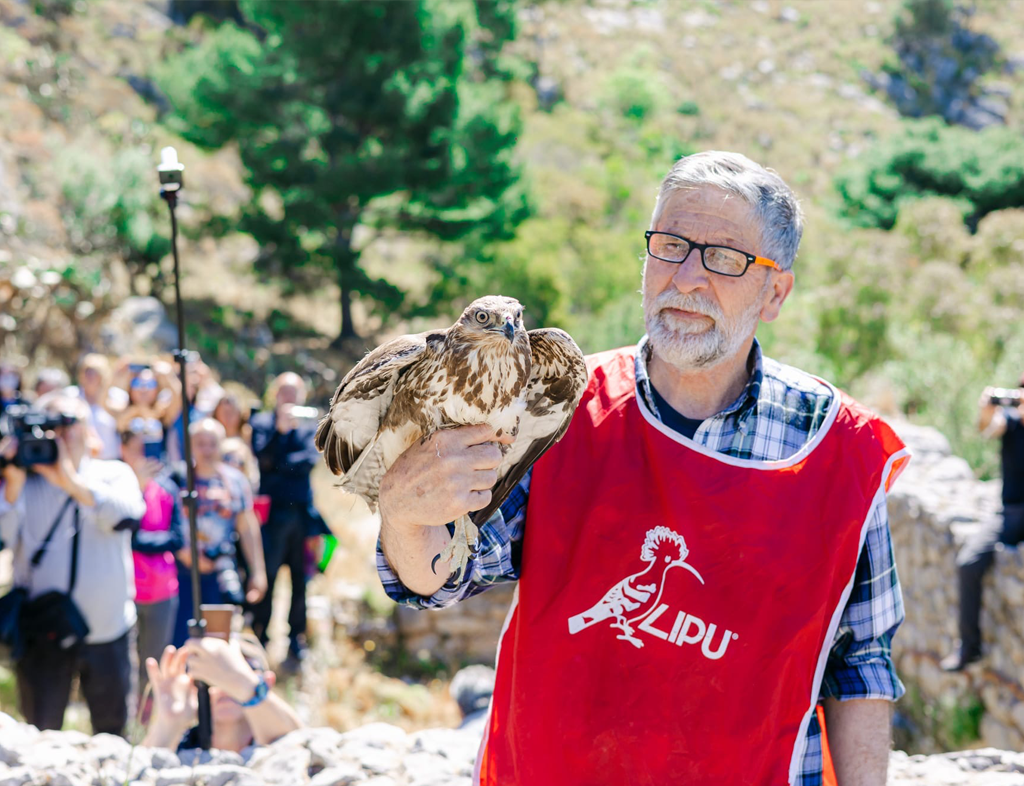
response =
{"points": [[752, 259]]}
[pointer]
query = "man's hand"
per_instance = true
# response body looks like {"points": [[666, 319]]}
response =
{"points": [[432, 483], [441, 478], [284, 420], [13, 477], [64, 476], [220, 664]]}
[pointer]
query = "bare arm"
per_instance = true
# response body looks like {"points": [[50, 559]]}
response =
{"points": [[251, 541], [432, 483], [859, 740], [991, 420], [221, 665]]}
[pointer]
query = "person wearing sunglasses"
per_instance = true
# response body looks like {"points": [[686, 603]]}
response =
{"points": [[704, 560], [154, 403]]}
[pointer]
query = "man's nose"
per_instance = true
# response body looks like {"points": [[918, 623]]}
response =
{"points": [[690, 274]]}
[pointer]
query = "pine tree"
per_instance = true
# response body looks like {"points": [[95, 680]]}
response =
{"points": [[385, 115]]}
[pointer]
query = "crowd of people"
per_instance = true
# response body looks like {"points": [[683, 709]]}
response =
{"points": [[101, 545]]}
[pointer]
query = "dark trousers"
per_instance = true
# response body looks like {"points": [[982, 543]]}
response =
{"points": [[155, 630], [973, 561], [284, 543], [104, 674], [209, 592]]}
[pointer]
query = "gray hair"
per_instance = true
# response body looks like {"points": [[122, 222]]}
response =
{"points": [[774, 203]]}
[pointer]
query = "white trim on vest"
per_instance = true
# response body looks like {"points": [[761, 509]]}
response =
{"points": [[837, 614], [490, 709], [796, 458]]}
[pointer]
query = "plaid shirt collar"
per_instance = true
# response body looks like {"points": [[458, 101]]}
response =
{"points": [[746, 400]]}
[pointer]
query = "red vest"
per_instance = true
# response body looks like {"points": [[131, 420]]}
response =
{"points": [[676, 606]]}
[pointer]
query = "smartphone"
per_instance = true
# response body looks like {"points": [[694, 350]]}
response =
{"points": [[153, 450], [135, 368]]}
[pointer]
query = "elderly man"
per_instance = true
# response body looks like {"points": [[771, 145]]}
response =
{"points": [[704, 557], [91, 507], [284, 447]]}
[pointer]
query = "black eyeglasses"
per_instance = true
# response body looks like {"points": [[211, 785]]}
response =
{"points": [[718, 259]]}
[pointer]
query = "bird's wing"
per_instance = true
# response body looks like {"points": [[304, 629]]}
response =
{"points": [[363, 397], [558, 376]]}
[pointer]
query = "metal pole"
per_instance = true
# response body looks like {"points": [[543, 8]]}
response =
{"points": [[196, 625]]}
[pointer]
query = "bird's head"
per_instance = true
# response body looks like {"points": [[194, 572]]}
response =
{"points": [[495, 317]]}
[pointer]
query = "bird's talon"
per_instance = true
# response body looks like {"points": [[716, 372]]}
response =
{"points": [[433, 564]]}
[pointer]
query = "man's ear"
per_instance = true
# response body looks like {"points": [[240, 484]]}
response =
{"points": [[778, 291]]}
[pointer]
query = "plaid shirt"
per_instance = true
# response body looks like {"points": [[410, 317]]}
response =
{"points": [[779, 410]]}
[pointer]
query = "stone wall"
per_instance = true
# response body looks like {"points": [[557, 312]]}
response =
{"points": [[465, 633], [932, 507]]}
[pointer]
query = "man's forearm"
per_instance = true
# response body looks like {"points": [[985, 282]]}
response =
{"points": [[410, 552], [859, 739]]}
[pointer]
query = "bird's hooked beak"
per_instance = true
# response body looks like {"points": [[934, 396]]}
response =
{"points": [[509, 329]]}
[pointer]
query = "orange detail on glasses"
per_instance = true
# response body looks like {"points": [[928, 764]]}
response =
{"points": [[767, 263]]}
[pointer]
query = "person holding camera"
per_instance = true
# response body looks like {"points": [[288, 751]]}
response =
{"points": [[224, 515], [243, 708], [1000, 416], [283, 441], [69, 522]]}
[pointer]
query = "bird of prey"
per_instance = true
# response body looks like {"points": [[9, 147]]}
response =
{"points": [[486, 368]]}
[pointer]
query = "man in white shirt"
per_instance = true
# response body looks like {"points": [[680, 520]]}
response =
{"points": [[105, 499]]}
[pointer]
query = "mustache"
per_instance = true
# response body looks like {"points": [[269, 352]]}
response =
{"points": [[698, 304]]}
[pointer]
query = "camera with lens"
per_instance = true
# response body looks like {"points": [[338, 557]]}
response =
{"points": [[1006, 397], [33, 429]]}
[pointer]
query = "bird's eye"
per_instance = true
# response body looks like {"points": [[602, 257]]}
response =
{"points": [[519, 315], [481, 317]]}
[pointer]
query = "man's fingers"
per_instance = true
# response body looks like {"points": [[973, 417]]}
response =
{"points": [[478, 500], [470, 435], [484, 456], [153, 670], [484, 479]]}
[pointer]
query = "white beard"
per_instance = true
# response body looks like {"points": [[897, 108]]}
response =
{"points": [[690, 346]]}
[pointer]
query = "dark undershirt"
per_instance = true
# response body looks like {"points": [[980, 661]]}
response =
{"points": [[1012, 459], [683, 425]]}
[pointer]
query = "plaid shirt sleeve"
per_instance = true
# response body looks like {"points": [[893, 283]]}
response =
{"points": [[497, 562], [860, 661]]}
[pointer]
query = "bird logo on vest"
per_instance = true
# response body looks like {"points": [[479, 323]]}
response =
{"points": [[634, 598]]}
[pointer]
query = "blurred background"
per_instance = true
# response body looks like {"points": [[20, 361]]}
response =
{"points": [[358, 170]]}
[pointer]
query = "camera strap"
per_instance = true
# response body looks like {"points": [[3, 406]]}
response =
{"points": [[41, 551], [74, 555]]}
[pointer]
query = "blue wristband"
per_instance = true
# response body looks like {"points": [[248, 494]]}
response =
{"points": [[262, 689]]}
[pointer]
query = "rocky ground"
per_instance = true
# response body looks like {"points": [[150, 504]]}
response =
{"points": [[378, 754]]}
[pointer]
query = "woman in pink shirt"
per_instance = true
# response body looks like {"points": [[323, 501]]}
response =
{"points": [[153, 545]]}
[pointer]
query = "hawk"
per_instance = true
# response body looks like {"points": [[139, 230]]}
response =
{"points": [[486, 368]]}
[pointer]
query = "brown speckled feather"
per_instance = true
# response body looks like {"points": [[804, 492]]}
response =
{"points": [[484, 369]]}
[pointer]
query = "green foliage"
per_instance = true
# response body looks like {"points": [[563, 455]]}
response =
{"points": [[924, 18], [353, 114], [983, 171], [633, 93], [110, 206]]}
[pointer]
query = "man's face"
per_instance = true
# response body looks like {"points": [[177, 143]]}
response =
{"points": [[696, 318], [291, 392]]}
